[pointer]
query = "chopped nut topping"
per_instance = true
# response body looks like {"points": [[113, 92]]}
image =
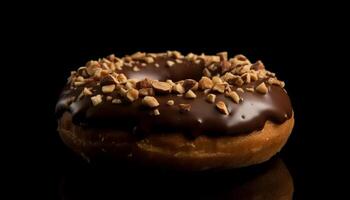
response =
{"points": [[170, 63], [170, 82], [211, 98], [127, 59], [239, 81], [79, 83], [234, 96], [212, 67], [87, 92], [258, 65], [206, 91], [223, 55], [282, 84], [190, 84], [97, 73], [221, 106], [136, 69], [132, 94], [246, 77], [262, 74], [239, 60], [91, 67], [191, 57], [96, 100], [179, 88], [121, 90], [210, 59], [138, 55], [206, 72], [122, 78], [118, 65], [80, 79], [270, 73], [245, 69], [205, 83], [104, 73], [249, 89], [228, 88], [177, 54], [111, 57], [108, 88], [228, 76], [111, 67], [105, 65], [72, 74], [274, 81], [156, 112], [225, 66], [162, 87], [240, 90], [219, 87], [106, 61], [89, 80], [190, 94], [145, 83], [178, 61], [133, 81], [219, 75], [108, 80], [83, 72], [146, 92], [197, 61], [92, 63], [184, 107], [170, 102], [116, 101], [148, 60], [262, 88], [254, 76], [109, 98], [153, 55], [150, 101], [130, 85], [216, 79]]}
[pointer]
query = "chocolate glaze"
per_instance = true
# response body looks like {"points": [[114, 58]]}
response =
{"points": [[245, 117]]}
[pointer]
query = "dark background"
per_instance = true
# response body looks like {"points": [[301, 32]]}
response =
{"points": [[299, 50], [308, 154]]}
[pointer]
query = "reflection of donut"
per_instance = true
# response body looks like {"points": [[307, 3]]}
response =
{"points": [[276, 183], [184, 112], [270, 180]]}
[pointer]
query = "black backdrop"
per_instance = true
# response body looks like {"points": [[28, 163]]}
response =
{"points": [[314, 154]]}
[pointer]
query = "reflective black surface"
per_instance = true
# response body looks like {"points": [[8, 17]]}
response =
{"points": [[270, 180]]}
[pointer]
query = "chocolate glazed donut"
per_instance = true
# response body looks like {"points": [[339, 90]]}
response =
{"points": [[192, 112]]}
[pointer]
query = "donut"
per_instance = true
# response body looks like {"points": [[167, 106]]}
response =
{"points": [[174, 111]]}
